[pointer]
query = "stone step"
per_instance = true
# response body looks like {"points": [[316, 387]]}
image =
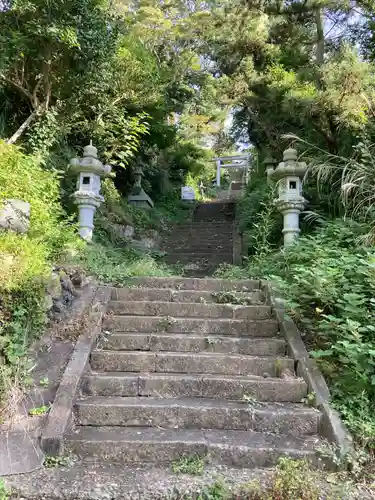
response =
{"points": [[216, 224], [187, 362], [167, 385], [165, 294], [199, 271], [196, 237], [186, 257], [204, 232], [293, 419], [201, 246], [222, 240], [195, 343], [188, 310], [244, 449], [141, 324], [208, 284]]}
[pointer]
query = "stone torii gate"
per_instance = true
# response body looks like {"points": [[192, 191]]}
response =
{"points": [[236, 161], [240, 167]]}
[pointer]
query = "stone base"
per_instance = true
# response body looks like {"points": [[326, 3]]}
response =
{"points": [[236, 190], [141, 200]]}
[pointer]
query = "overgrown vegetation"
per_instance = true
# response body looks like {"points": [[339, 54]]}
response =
{"points": [[4, 492], [328, 281], [292, 480], [25, 260]]}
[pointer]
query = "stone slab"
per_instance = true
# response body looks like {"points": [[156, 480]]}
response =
{"points": [[20, 453], [211, 258], [196, 386], [177, 362], [247, 449], [164, 294], [175, 342], [142, 324], [204, 284], [186, 310], [290, 419]]}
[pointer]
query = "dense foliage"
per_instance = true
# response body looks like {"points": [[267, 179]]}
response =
{"points": [[328, 281], [25, 259]]}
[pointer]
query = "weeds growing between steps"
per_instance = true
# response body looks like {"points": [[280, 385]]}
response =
{"points": [[291, 480]]}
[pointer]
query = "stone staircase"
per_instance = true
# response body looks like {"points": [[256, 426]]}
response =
{"points": [[204, 243], [175, 373]]}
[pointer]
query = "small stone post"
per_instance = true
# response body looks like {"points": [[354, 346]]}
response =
{"points": [[138, 196], [270, 164], [289, 174], [88, 197]]}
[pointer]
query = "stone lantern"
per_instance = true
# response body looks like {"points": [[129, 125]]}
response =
{"points": [[88, 197], [270, 164], [138, 196], [289, 174]]}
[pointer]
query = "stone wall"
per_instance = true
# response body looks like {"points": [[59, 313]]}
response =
{"points": [[62, 287]]}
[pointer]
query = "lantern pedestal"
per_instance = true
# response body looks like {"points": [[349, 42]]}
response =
{"points": [[141, 200], [290, 211], [87, 206]]}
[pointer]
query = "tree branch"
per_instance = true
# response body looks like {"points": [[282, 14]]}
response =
{"points": [[19, 87], [26, 124]]}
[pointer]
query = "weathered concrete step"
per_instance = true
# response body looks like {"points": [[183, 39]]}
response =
{"points": [[188, 310], [175, 342], [245, 449], [245, 328], [169, 385], [201, 246], [165, 294], [208, 284], [197, 238], [216, 235], [205, 225], [186, 362], [186, 257], [292, 419], [200, 250]]}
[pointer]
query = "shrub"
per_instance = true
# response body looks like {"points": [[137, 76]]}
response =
{"points": [[115, 265], [258, 218], [26, 259], [328, 281]]}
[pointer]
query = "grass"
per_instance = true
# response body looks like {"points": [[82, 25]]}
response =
{"points": [[189, 464], [292, 480], [115, 265], [41, 410], [4, 492]]}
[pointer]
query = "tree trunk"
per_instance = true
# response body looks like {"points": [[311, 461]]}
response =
{"points": [[320, 42], [26, 124]]}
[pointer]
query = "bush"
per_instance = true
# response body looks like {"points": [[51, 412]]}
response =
{"points": [[26, 259], [258, 218], [115, 265], [328, 281]]}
